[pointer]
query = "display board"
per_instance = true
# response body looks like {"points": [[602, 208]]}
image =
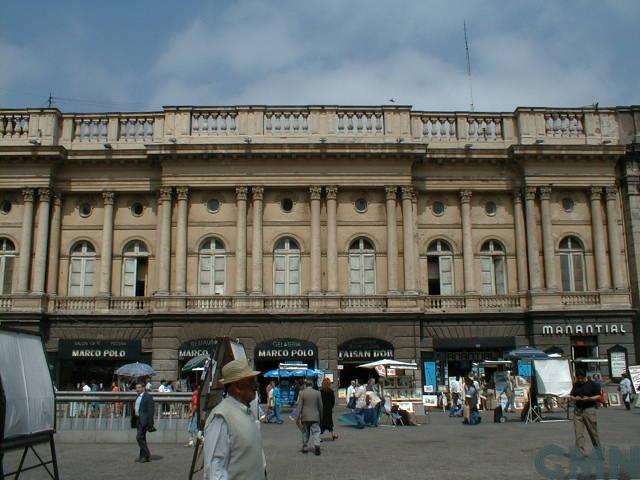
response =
{"points": [[634, 376], [553, 377], [29, 401]]}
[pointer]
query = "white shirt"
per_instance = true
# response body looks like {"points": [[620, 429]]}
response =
{"points": [[137, 406], [216, 447], [361, 397], [351, 392], [455, 386], [86, 388], [163, 389], [625, 386]]}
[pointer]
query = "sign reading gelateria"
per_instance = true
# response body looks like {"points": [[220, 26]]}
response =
{"points": [[588, 329], [286, 348], [100, 349]]}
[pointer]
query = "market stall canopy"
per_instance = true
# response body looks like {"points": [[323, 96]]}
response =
{"points": [[397, 364], [527, 353], [590, 360], [135, 370], [196, 363], [284, 373], [494, 363]]}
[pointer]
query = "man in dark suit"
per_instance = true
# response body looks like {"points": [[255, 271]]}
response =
{"points": [[142, 419]]}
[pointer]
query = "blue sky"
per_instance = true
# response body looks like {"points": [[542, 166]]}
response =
{"points": [[140, 55]]}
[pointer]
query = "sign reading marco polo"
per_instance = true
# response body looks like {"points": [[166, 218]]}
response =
{"points": [[195, 348], [100, 349], [365, 349], [286, 348], [585, 329]]}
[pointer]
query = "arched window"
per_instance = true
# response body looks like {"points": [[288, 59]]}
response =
{"points": [[212, 265], [362, 267], [82, 274], [440, 268], [286, 267], [494, 271], [134, 269], [572, 265], [7, 258]]}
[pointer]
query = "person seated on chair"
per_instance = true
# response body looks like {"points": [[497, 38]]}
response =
{"points": [[406, 417]]}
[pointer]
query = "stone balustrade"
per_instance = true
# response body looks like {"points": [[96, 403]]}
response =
{"points": [[445, 303], [320, 124], [6, 302]]}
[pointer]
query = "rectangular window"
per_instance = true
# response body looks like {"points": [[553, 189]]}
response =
{"points": [[487, 275], [129, 277], [501, 277], [578, 271], [565, 270], [6, 270], [446, 275]]}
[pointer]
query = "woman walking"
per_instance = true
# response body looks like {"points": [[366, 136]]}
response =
{"points": [[328, 402]]}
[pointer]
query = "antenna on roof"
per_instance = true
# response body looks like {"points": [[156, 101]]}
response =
{"points": [[466, 47], [50, 100]]}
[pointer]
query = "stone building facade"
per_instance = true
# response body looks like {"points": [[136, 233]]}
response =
{"points": [[327, 235]]}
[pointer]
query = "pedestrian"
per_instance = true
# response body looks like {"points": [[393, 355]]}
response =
{"points": [[328, 402], [351, 395], [310, 415], [626, 391], [456, 391], [471, 415], [142, 420], [276, 404], [509, 393], [232, 440], [163, 386], [585, 393], [193, 416]]}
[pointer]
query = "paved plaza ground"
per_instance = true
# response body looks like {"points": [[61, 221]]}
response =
{"points": [[440, 448]]}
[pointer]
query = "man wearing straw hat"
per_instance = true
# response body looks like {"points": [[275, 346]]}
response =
{"points": [[232, 441]]}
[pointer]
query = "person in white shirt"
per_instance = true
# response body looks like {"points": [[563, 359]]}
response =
{"points": [[626, 391], [232, 440], [351, 395], [163, 387]]}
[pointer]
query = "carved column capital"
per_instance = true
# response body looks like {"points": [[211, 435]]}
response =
{"points": [[595, 193], [28, 194], [257, 193], [108, 198], [315, 192], [44, 194], [465, 196], [414, 197], [241, 192], [545, 193], [530, 193], [182, 192], [406, 192], [164, 194], [57, 198], [517, 195], [611, 193], [332, 192], [391, 192]]}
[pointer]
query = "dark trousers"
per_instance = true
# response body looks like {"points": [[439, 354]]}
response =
{"points": [[141, 438]]}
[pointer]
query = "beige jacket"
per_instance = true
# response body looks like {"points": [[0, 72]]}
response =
{"points": [[310, 405]]}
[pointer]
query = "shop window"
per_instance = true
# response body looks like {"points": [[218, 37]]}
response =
{"points": [[212, 267], [572, 265], [286, 267], [493, 265], [440, 268], [134, 269], [82, 271], [362, 267], [585, 348], [8, 254]]}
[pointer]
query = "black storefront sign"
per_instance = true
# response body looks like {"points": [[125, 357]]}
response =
{"points": [[365, 349], [195, 348], [100, 349], [286, 348]]}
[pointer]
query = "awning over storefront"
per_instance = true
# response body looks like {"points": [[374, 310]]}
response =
{"points": [[129, 350]]}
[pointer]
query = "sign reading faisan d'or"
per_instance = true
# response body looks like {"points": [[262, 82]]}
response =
{"points": [[195, 348], [100, 349], [584, 329], [285, 349], [363, 349]]}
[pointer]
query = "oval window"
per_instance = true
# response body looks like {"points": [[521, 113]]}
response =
{"points": [[85, 209], [287, 204], [491, 208], [213, 205], [361, 205], [137, 209], [437, 208]]}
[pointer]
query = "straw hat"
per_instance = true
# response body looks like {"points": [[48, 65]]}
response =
{"points": [[236, 370]]}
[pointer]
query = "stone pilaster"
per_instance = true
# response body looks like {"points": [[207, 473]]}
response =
{"points": [[42, 241], [532, 239], [547, 239], [467, 241], [599, 249], [106, 252], [54, 245], [332, 239], [164, 263], [241, 239], [256, 248], [316, 268], [408, 240], [614, 238], [26, 241], [182, 195], [391, 193]]}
